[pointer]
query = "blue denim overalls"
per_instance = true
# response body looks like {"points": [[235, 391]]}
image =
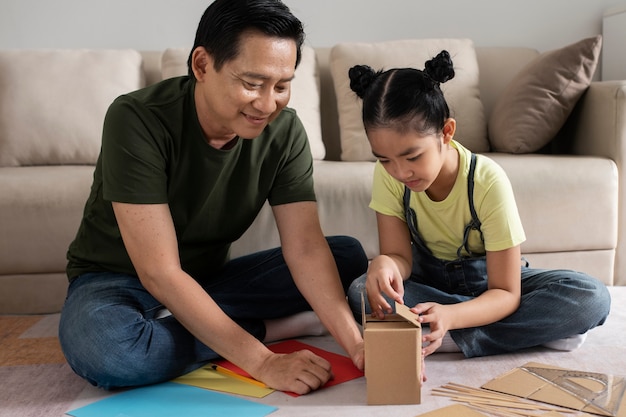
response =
{"points": [[555, 304], [465, 275]]}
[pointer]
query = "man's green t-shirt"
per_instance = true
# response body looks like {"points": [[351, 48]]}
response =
{"points": [[154, 151]]}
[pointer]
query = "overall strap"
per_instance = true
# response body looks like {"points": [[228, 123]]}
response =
{"points": [[411, 221], [409, 214], [475, 223]]}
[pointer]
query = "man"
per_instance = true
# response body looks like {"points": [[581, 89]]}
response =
{"points": [[184, 169]]}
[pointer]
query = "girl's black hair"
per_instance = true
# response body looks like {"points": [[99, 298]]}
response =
{"points": [[404, 99], [224, 21]]}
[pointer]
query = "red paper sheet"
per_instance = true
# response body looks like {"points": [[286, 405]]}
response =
{"points": [[343, 368]]}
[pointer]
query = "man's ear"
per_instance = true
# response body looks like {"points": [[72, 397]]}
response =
{"points": [[200, 60], [449, 129]]}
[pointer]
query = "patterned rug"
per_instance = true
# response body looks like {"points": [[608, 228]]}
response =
{"points": [[35, 380]]}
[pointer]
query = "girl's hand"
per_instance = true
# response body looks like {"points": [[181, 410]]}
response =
{"points": [[383, 278], [439, 318]]}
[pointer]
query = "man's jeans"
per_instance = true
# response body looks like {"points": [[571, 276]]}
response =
{"points": [[111, 336], [555, 304]]}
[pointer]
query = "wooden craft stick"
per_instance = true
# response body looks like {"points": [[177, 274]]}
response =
{"points": [[500, 404]]}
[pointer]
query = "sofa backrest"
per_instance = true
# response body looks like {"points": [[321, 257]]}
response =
{"points": [[53, 102], [497, 65], [58, 119]]}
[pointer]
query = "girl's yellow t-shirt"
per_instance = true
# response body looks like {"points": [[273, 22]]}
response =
{"points": [[441, 223]]}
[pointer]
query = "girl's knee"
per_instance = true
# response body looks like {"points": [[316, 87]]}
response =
{"points": [[355, 292], [591, 295], [350, 258]]}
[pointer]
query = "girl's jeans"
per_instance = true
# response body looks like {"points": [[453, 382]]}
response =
{"points": [[111, 336], [555, 304]]}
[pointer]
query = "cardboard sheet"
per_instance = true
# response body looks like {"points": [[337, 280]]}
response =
{"points": [[453, 410], [590, 392]]}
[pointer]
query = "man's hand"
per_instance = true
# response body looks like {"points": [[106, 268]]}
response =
{"points": [[358, 357], [300, 372]]}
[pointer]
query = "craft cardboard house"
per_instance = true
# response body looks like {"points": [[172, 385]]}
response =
{"points": [[393, 363]]}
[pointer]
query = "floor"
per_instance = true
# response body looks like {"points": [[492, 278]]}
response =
{"points": [[27, 387]]}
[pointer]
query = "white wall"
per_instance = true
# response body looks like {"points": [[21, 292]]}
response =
{"points": [[613, 53], [157, 24]]}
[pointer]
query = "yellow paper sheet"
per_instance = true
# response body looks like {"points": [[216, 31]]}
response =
{"points": [[208, 378]]}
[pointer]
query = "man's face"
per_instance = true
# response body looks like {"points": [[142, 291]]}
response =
{"points": [[249, 91]]}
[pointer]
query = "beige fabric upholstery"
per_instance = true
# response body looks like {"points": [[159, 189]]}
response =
{"points": [[305, 95], [60, 97], [598, 128], [44, 205], [550, 205], [343, 191], [462, 92], [572, 206]]}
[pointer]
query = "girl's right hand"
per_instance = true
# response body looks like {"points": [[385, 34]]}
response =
{"points": [[383, 278]]}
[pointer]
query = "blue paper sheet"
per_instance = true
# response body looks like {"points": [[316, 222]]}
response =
{"points": [[169, 400]]}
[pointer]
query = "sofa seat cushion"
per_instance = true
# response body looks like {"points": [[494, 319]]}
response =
{"points": [[53, 102], [40, 209], [462, 92], [305, 91], [343, 191], [567, 203]]}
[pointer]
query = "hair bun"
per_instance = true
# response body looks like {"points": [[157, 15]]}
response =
{"points": [[361, 78], [440, 68]]}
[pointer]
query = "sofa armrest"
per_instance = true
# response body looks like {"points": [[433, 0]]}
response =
{"points": [[598, 125], [598, 128]]}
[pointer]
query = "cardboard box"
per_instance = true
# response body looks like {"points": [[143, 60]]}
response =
{"points": [[393, 349]]}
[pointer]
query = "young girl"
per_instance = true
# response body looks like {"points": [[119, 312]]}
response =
{"points": [[450, 231]]}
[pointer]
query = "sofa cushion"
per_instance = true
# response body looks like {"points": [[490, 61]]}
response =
{"points": [[53, 102], [45, 205], [462, 92], [305, 91], [538, 101]]}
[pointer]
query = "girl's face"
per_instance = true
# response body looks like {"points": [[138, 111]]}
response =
{"points": [[413, 159]]}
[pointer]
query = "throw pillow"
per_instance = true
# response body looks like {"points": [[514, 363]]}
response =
{"points": [[53, 102], [462, 92], [538, 101], [305, 95]]}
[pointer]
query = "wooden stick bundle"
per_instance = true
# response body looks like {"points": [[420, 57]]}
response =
{"points": [[499, 404]]}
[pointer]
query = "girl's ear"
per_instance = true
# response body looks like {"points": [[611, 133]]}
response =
{"points": [[449, 129]]}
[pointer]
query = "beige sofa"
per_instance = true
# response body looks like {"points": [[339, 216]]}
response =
{"points": [[51, 109]]}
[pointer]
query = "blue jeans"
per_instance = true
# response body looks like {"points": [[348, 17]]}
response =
{"points": [[110, 335], [555, 304]]}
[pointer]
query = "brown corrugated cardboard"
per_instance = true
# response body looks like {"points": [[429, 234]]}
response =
{"points": [[457, 410], [393, 363], [590, 392]]}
